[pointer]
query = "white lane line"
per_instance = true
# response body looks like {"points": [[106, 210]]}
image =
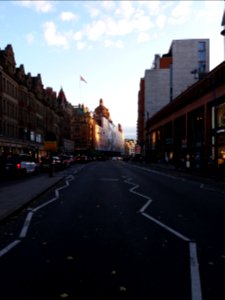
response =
{"points": [[157, 172], [29, 216], [145, 206], [151, 218], [184, 238], [26, 225], [195, 276], [69, 178], [132, 190], [44, 204], [194, 267], [9, 247]]}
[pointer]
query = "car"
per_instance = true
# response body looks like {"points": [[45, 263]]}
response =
{"points": [[44, 164], [57, 163], [47, 161], [20, 164]]}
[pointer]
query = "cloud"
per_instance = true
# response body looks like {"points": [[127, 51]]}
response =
{"points": [[68, 16], [116, 44], [119, 44], [108, 43], [122, 27], [210, 11], [153, 7], [108, 5], [143, 23], [78, 36], [95, 30], [125, 9], [52, 37], [30, 38], [92, 9], [143, 37], [108, 26], [161, 21], [39, 6], [181, 12], [80, 45]]}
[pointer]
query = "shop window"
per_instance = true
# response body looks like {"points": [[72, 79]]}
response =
{"points": [[32, 136], [221, 155], [221, 115]]}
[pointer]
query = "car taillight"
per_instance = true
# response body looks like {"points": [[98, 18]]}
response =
{"points": [[18, 166]]}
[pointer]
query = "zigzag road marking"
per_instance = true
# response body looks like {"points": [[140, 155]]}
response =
{"points": [[194, 266], [27, 222]]}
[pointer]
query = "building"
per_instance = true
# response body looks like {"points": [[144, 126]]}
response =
{"points": [[157, 87], [109, 138], [190, 130], [186, 62], [33, 119], [141, 114], [66, 143], [130, 145], [82, 127], [38, 121]]}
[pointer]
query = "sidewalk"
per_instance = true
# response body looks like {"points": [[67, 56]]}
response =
{"points": [[14, 196]]}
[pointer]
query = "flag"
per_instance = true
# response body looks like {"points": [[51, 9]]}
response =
{"points": [[82, 79]]}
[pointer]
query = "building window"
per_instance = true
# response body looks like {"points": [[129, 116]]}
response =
{"points": [[32, 136], [201, 59], [39, 138], [201, 46], [201, 67], [220, 112], [201, 56]]}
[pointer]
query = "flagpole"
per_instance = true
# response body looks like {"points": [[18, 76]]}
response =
{"points": [[81, 79], [80, 90]]}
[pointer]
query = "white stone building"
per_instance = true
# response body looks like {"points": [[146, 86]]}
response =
{"points": [[186, 62]]}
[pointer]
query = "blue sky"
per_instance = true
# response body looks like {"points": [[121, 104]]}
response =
{"points": [[109, 43]]}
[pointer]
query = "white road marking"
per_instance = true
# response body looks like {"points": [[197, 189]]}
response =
{"points": [[29, 216], [194, 268], [132, 190], [26, 225], [9, 247], [145, 206], [44, 204], [69, 178], [195, 276], [184, 238]]}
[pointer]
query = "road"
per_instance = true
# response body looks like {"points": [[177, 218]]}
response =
{"points": [[117, 231]]}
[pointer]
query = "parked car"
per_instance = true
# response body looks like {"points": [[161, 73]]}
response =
{"points": [[54, 160], [44, 164], [65, 159], [20, 164], [57, 163]]}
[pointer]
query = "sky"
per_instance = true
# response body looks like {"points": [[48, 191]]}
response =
{"points": [[109, 43]]}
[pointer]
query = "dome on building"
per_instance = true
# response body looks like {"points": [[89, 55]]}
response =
{"points": [[101, 111]]}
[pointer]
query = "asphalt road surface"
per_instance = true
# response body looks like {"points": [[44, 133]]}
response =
{"points": [[117, 231]]}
